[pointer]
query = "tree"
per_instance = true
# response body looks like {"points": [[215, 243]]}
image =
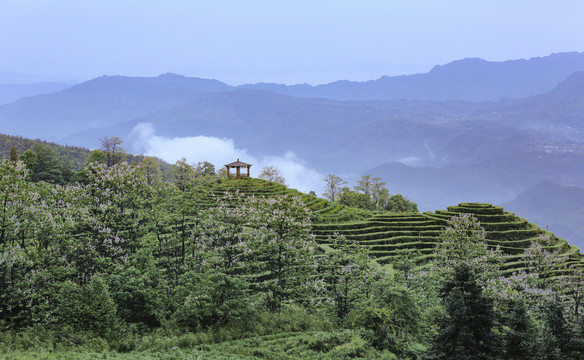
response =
{"points": [[572, 287], [464, 241], [48, 167], [355, 199], [271, 173], [333, 186], [13, 155], [394, 318], [88, 307], [404, 261], [204, 169], [30, 159], [543, 260], [114, 152], [365, 185], [379, 193], [96, 156], [119, 200], [347, 275], [43, 164], [556, 334], [281, 245], [519, 331], [223, 230], [151, 169], [183, 174], [397, 203], [466, 329]]}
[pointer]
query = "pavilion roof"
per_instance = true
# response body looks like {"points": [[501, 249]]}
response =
{"points": [[238, 164]]}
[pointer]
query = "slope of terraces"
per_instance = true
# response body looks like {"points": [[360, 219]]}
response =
{"points": [[386, 233], [323, 211]]}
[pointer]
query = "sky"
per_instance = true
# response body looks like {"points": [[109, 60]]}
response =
{"points": [[296, 41]]}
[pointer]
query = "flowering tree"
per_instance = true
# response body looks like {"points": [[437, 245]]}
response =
{"points": [[281, 247], [347, 274], [118, 201], [464, 241], [572, 287], [543, 260], [224, 230], [271, 173]]}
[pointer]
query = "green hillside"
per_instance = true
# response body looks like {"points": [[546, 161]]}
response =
{"points": [[138, 267], [385, 233]]}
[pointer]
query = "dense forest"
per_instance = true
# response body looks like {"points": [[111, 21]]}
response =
{"points": [[119, 259]]}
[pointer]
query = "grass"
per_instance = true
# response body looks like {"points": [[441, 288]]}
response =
{"points": [[342, 344]]}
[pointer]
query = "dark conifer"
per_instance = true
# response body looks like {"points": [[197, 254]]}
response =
{"points": [[465, 330]]}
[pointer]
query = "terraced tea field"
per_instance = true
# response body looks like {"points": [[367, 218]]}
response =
{"points": [[385, 233]]}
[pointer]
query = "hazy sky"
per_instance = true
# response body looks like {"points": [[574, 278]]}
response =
{"points": [[277, 41]]}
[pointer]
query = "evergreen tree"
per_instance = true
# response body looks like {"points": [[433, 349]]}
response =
{"points": [[465, 330], [556, 337], [13, 156], [519, 331], [183, 174]]}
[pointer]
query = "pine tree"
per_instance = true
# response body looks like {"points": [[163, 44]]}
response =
{"points": [[465, 331], [13, 155]]}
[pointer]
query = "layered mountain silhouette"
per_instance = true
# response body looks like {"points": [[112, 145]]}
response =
{"points": [[468, 79], [12, 92], [100, 102]]}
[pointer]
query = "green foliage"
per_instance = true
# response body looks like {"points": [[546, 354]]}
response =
{"points": [[114, 152], [399, 204], [519, 331], [126, 262], [355, 199], [182, 173], [13, 154], [347, 276], [466, 329], [212, 300], [464, 241], [280, 239], [393, 320], [87, 308], [96, 156], [204, 169]]}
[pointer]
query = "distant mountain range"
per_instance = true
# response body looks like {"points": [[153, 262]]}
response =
{"points": [[111, 100], [12, 92], [100, 102], [468, 79], [471, 130]]}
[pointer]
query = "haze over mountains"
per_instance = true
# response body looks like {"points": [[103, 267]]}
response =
{"points": [[471, 130]]}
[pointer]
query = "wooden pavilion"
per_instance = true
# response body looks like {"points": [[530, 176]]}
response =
{"points": [[237, 166]]}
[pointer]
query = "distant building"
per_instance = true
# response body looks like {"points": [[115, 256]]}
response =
{"points": [[237, 166]]}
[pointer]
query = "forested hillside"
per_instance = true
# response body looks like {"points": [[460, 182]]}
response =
{"points": [[124, 264], [58, 163]]}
